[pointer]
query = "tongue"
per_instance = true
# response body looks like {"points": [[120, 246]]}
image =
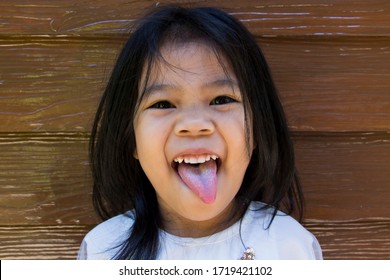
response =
{"points": [[201, 179]]}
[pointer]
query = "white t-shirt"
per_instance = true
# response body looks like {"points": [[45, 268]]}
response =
{"points": [[285, 239]]}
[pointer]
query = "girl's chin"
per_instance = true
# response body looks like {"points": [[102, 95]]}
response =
{"points": [[199, 222]]}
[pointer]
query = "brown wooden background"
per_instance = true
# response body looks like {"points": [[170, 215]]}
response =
{"points": [[330, 60]]}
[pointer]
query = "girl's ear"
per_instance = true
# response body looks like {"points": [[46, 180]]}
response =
{"points": [[135, 154]]}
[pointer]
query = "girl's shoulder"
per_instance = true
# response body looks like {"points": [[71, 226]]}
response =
{"points": [[265, 214], [103, 241], [284, 236]]}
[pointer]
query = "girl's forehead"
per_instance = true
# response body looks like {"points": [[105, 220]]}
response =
{"points": [[185, 59]]}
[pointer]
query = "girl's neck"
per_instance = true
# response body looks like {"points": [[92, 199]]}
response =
{"points": [[188, 228]]}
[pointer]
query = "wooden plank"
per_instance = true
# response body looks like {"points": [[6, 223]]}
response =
{"points": [[345, 176], [367, 239], [41, 242], [341, 84], [333, 85], [339, 240], [44, 179], [51, 84], [269, 18]]}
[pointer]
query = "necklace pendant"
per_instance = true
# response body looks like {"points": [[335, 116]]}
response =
{"points": [[249, 254]]}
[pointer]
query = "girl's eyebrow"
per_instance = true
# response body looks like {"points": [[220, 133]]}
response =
{"points": [[222, 82], [158, 87]]}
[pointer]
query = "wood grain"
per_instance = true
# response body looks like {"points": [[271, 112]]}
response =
{"points": [[45, 179], [338, 84], [325, 85], [360, 239], [363, 239], [51, 84], [41, 242], [267, 18], [345, 176]]}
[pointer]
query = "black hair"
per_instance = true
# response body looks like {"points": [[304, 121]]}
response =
{"points": [[119, 183]]}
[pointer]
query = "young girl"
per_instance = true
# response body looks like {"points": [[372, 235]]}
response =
{"points": [[190, 151]]}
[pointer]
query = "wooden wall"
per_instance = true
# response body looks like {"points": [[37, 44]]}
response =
{"points": [[330, 60]]}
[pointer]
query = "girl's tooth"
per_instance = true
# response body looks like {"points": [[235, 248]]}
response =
{"points": [[178, 160], [193, 160], [201, 159]]}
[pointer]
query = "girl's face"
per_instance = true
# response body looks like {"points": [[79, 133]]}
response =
{"points": [[190, 137]]}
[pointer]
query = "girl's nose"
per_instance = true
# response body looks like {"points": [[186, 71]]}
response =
{"points": [[194, 123]]}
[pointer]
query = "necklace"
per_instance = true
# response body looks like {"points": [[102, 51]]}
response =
{"points": [[249, 254]]}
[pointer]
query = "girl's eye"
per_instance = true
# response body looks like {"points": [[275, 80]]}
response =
{"points": [[221, 100], [162, 105]]}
